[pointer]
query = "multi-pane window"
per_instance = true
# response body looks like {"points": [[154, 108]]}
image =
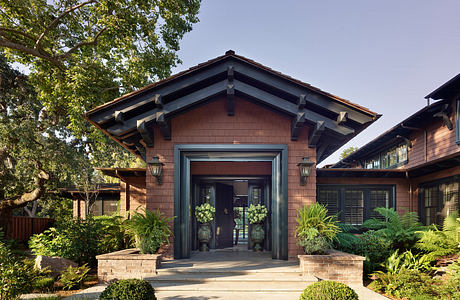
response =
{"points": [[438, 200], [353, 204], [391, 158], [100, 207]]}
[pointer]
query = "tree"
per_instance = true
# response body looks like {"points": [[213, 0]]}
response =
{"points": [[36, 152], [84, 53], [348, 151]]}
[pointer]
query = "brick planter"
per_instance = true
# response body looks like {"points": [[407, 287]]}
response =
{"points": [[338, 266], [126, 264]]}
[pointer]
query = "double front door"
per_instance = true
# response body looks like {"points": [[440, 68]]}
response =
{"points": [[230, 197]]}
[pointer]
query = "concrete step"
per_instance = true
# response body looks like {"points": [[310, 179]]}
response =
{"points": [[246, 287], [228, 277], [201, 295]]}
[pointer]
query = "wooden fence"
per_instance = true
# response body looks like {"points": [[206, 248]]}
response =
{"points": [[22, 228]]}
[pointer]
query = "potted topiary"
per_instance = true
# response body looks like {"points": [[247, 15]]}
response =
{"points": [[256, 216], [204, 214]]}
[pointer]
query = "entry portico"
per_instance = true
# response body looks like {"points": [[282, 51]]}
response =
{"points": [[231, 116]]}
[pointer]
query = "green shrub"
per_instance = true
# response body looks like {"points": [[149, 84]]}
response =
{"points": [[402, 231], [437, 243], [375, 248], [204, 213], [74, 277], [135, 289], [406, 260], [315, 245], [43, 284], [80, 240], [315, 227], [150, 230], [406, 283], [16, 274], [328, 290], [346, 241]]}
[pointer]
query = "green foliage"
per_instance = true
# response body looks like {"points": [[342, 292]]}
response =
{"points": [[80, 240], [375, 248], [402, 231], [129, 289], [150, 230], [84, 53], [328, 290], [347, 152], [43, 284], [346, 241], [406, 283], [112, 234], [204, 213], [74, 277], [315, 229], [406, 260], [437, 243], [315, 245], [16, 274], [257, 213]]}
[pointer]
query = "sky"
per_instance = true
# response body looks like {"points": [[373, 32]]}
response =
{"points": [[383, 55]]}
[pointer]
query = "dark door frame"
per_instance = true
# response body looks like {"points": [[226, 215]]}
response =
{"points": [[185, 154]]}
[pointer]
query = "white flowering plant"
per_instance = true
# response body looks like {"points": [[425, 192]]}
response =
{"points": [[257, 213], [204, 213]]}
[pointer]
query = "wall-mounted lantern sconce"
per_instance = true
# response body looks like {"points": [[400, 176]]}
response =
{"points": [[305, 168], [156, 168]]}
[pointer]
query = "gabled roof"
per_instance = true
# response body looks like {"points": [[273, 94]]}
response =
{"points": [[129, 119], [397, 134], [448, 90]]}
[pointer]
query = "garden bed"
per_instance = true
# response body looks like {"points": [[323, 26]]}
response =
{"points": [[339, 266], [126, 264]]}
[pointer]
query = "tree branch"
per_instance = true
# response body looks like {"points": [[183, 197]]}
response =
{"points": [[79, 45], [39, 181], [30, 37], [34, 52], [55, 21]]}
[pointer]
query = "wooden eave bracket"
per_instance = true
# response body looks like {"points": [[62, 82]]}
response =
{"points": [[342, 117], [296, 125], [444, 114], [316, 134], [230, 92], [146, 134], [164, 124]]}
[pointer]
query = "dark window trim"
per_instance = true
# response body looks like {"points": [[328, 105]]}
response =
{"points": [[386, 152], [430, 184], [457, 120], [366, 212]]}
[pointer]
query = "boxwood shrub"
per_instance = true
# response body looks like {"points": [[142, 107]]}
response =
{"points": [[328, 290], [135, 289]]}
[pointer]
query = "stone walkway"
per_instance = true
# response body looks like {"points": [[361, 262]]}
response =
{"points": [[230, 274]]}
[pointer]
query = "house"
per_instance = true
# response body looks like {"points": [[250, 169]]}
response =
{"points": [[232, 132], [415, 166]]}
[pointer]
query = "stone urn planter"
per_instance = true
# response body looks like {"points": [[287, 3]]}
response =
{"points": [[127, 264], [257, 236], [204, 236]]}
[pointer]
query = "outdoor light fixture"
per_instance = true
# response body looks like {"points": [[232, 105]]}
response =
{"points": [[305, 168], [156, 168]]}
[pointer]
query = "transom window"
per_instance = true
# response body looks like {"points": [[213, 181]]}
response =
{"points": [[353, 204], [389, 159]]}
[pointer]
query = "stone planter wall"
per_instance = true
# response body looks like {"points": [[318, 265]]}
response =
{"points": [[338, 266], [126, 264]]}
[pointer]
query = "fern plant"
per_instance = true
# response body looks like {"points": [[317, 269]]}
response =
{"points": [[345, 240], [406, 260], [437, 243], [401, 230], [150, 230], [314, 226]]}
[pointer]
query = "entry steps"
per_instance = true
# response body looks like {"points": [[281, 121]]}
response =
{"points": [[219, 281]]}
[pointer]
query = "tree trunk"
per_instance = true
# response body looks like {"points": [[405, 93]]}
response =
{"points": [[5, 222]]}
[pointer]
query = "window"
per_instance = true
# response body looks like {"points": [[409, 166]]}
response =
{"points": [[389, 159], [103, 206], [353, 204], [438, 200]]}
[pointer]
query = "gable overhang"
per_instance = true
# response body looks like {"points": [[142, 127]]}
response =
{"points": [[130, 119]]}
